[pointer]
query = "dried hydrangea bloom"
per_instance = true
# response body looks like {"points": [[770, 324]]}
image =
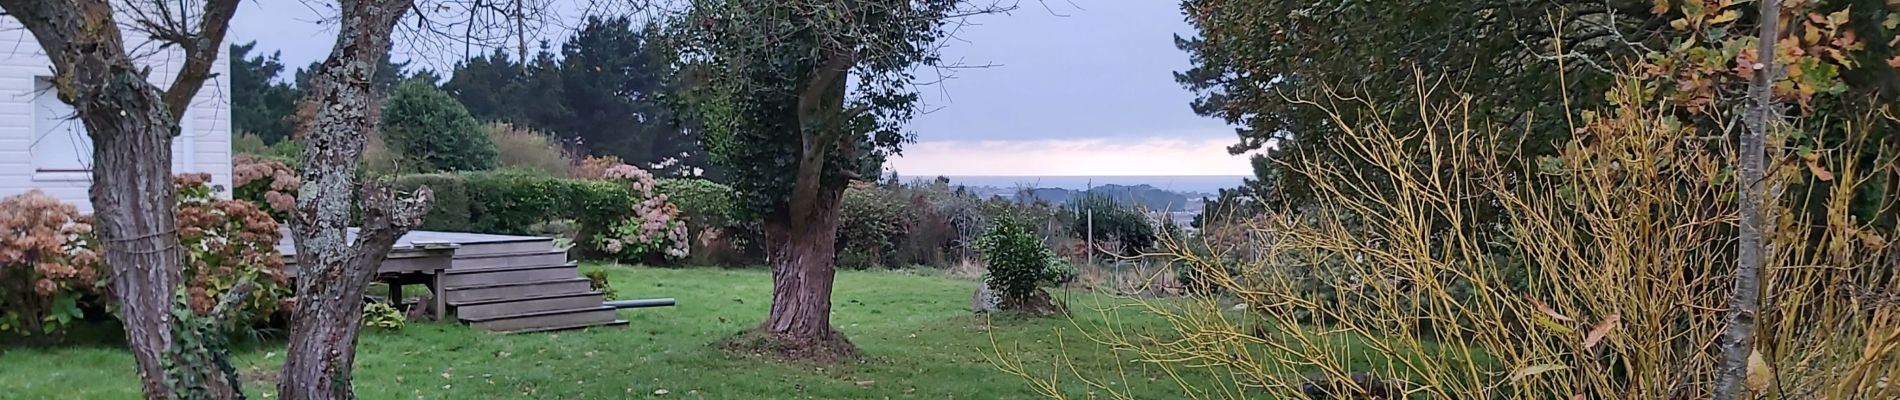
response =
{"points": [[43, 242], [225, 240], [264, 180]]}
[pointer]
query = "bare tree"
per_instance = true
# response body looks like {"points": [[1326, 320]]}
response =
{"points": [[1745, 302], [131, 123]]}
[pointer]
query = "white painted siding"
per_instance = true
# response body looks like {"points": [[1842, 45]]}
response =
{"points": [[204, 146]]}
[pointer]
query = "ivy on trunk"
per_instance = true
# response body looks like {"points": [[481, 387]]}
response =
{"points": [[769, 77]]}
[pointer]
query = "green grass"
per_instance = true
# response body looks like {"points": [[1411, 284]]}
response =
{"points": [[915, 329]]}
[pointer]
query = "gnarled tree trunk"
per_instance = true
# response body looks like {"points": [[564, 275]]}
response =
{"points": [[802, 253], [131, 124], [334, 269], [803, 238]]}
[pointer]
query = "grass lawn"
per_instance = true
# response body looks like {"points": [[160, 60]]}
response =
{"points": [[919, 338]]}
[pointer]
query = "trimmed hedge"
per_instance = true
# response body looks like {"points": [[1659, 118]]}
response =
{"points": [[516, 201], [451, 210], [513, 202], [705, 203]]}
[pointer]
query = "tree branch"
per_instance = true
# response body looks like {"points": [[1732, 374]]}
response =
{"points": [[201, 51]]}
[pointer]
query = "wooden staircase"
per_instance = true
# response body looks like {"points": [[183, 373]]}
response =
{"points": [[494, 282], [522, 285]]}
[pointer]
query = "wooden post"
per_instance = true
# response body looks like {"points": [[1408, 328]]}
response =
{"points": [[1091, 235], [437, 295], [395, 292], [1088, 211]]}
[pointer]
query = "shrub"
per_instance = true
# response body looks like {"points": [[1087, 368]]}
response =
{"points": [[718, 237], [597, 279], [288, 151], [380, 160], [597, 204], [511, 202], [426, 126], [1606, 278], [46, 265], [946, 222], [870, 224], [654, 230], [1018, 264], [705, 203], [595, 167], [1127, 226], [245, 142], [451, 209], [378, 314], [267, 182], [522, 148], [225, 242], [626, 216], [48, 260]]}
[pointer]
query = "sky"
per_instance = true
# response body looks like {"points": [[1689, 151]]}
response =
{"points": [[1055, 87]]}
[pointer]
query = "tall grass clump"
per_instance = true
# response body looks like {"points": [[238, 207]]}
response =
{"points": [[1606, 275], [517, 147]]}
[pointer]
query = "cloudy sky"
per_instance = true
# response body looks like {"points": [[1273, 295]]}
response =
{"points": [[1057, 87]]}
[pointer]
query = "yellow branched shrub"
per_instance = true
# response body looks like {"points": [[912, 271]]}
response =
{"points": [[1606, 277]]}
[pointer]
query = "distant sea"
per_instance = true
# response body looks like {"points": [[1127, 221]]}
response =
{"points": [[1183, 184]]}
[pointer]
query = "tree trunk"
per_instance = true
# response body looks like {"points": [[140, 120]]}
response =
{"points": [[1745, 301], [132, 199], [802, 256], [131, 124], [803, 238], [336, 269]]}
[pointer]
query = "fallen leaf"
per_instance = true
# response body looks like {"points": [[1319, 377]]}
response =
{"points": [[1760, 375], [865, 383], [1545, 308], [1602, 329], [661, 392], [1534, 370], [1820, 172]]}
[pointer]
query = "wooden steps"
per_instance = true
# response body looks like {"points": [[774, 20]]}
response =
{"points": [[528, 304], [548, 320], [495, 282], [517, 289], [522, 286], [459, 277]]}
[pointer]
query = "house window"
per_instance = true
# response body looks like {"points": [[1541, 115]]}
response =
{"points": [[60, 146], [62, 151]]}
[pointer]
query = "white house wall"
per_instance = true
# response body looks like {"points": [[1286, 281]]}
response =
{"points": [[204, 145]]}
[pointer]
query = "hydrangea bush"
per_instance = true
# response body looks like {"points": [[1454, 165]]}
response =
{"points": [[49, 260], [265, 181], [655, 229], [227, 241], [46, 264]]}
